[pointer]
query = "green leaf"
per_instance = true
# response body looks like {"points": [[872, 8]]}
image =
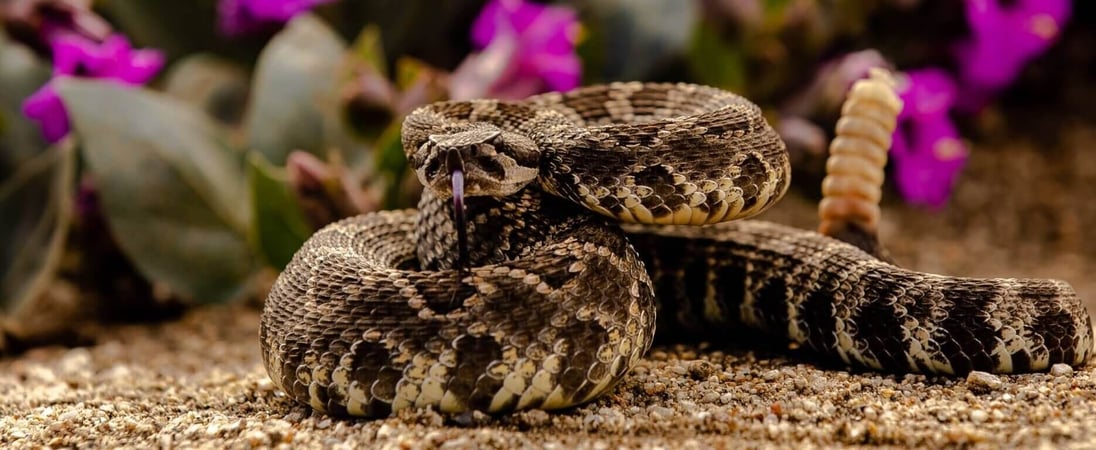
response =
{"points": [[714, 61], [638, 38], [369, 50], [280, 226], [173, 192], [177, 27], [391, 164], [409, 71], [293, 93], [35, 212], [21, 73], [210, 83]]}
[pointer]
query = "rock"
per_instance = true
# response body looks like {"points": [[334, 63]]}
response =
{"points": [[700, 369], [1061, 370], [982, 382], [978, 416], [660, 412], [386, 432]]}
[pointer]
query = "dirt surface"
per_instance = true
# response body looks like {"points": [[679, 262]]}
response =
{"points": [[1021, 210]]}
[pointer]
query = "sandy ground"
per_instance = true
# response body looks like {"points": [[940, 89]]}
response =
{"points": [[1020, 211], [199, 383]]}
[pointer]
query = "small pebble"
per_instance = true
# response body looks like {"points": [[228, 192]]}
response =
{"points": [[700, 369], [537, 417], [978, 416], [1061, 370], [660, 412], [257, 438], [186, 393], [726, 398], [386, 432], [981, 382], [471, 418]]}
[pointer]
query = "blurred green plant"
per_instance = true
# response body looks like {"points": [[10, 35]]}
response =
{"points": [[37, 208], [172, 189], [201, 199], [280, 226], [293, 89], [277, 117]]}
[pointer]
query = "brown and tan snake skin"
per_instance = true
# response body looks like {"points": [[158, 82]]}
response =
{"points": [[550, 305]]}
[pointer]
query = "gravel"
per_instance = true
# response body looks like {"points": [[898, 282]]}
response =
{"points": [[199, 382]]}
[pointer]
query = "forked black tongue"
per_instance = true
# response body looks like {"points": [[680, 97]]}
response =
{"points": [[456, 174]]}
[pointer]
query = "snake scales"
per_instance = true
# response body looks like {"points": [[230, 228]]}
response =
{"points": [[544, 305]]}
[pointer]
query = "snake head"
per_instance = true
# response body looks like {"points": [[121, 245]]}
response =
{"points": [[493, 162]]}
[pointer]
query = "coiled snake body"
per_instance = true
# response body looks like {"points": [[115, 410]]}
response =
{"points": [[549, 305]]}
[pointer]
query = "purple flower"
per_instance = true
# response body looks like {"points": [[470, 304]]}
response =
{"points": [[1004, 38], [37, 22], [526, 48], [113, 59], [927, 152], [45, 107], [239, 17]]}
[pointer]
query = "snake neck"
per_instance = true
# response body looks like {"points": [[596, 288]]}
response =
{"points": [[497, 229]]}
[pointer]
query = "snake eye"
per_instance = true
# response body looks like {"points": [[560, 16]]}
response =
{"points": [[485, 150]]}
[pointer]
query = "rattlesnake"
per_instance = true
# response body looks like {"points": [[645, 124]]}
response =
{"points": [[545, 305]]}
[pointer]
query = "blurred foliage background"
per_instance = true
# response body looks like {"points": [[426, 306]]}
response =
{"points": [[158, 154]]}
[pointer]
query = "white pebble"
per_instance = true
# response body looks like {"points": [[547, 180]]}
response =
{"points": [[978, 416], [984, 380], [1061, 370], [75, 361], [660, 412], [257, 438], [386, 432]]}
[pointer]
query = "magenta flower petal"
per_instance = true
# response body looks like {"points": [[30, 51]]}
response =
{"points": [[928, 154], [280, 10], [927, 93], [143, 65], [1003, 39], [544, 39], [928, 160], [239, 17], [46, 108], [487, 23], [559, 72], [72, 55], [113, 59]]}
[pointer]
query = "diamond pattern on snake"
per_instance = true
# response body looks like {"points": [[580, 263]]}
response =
{"points": [[514, 284]]}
